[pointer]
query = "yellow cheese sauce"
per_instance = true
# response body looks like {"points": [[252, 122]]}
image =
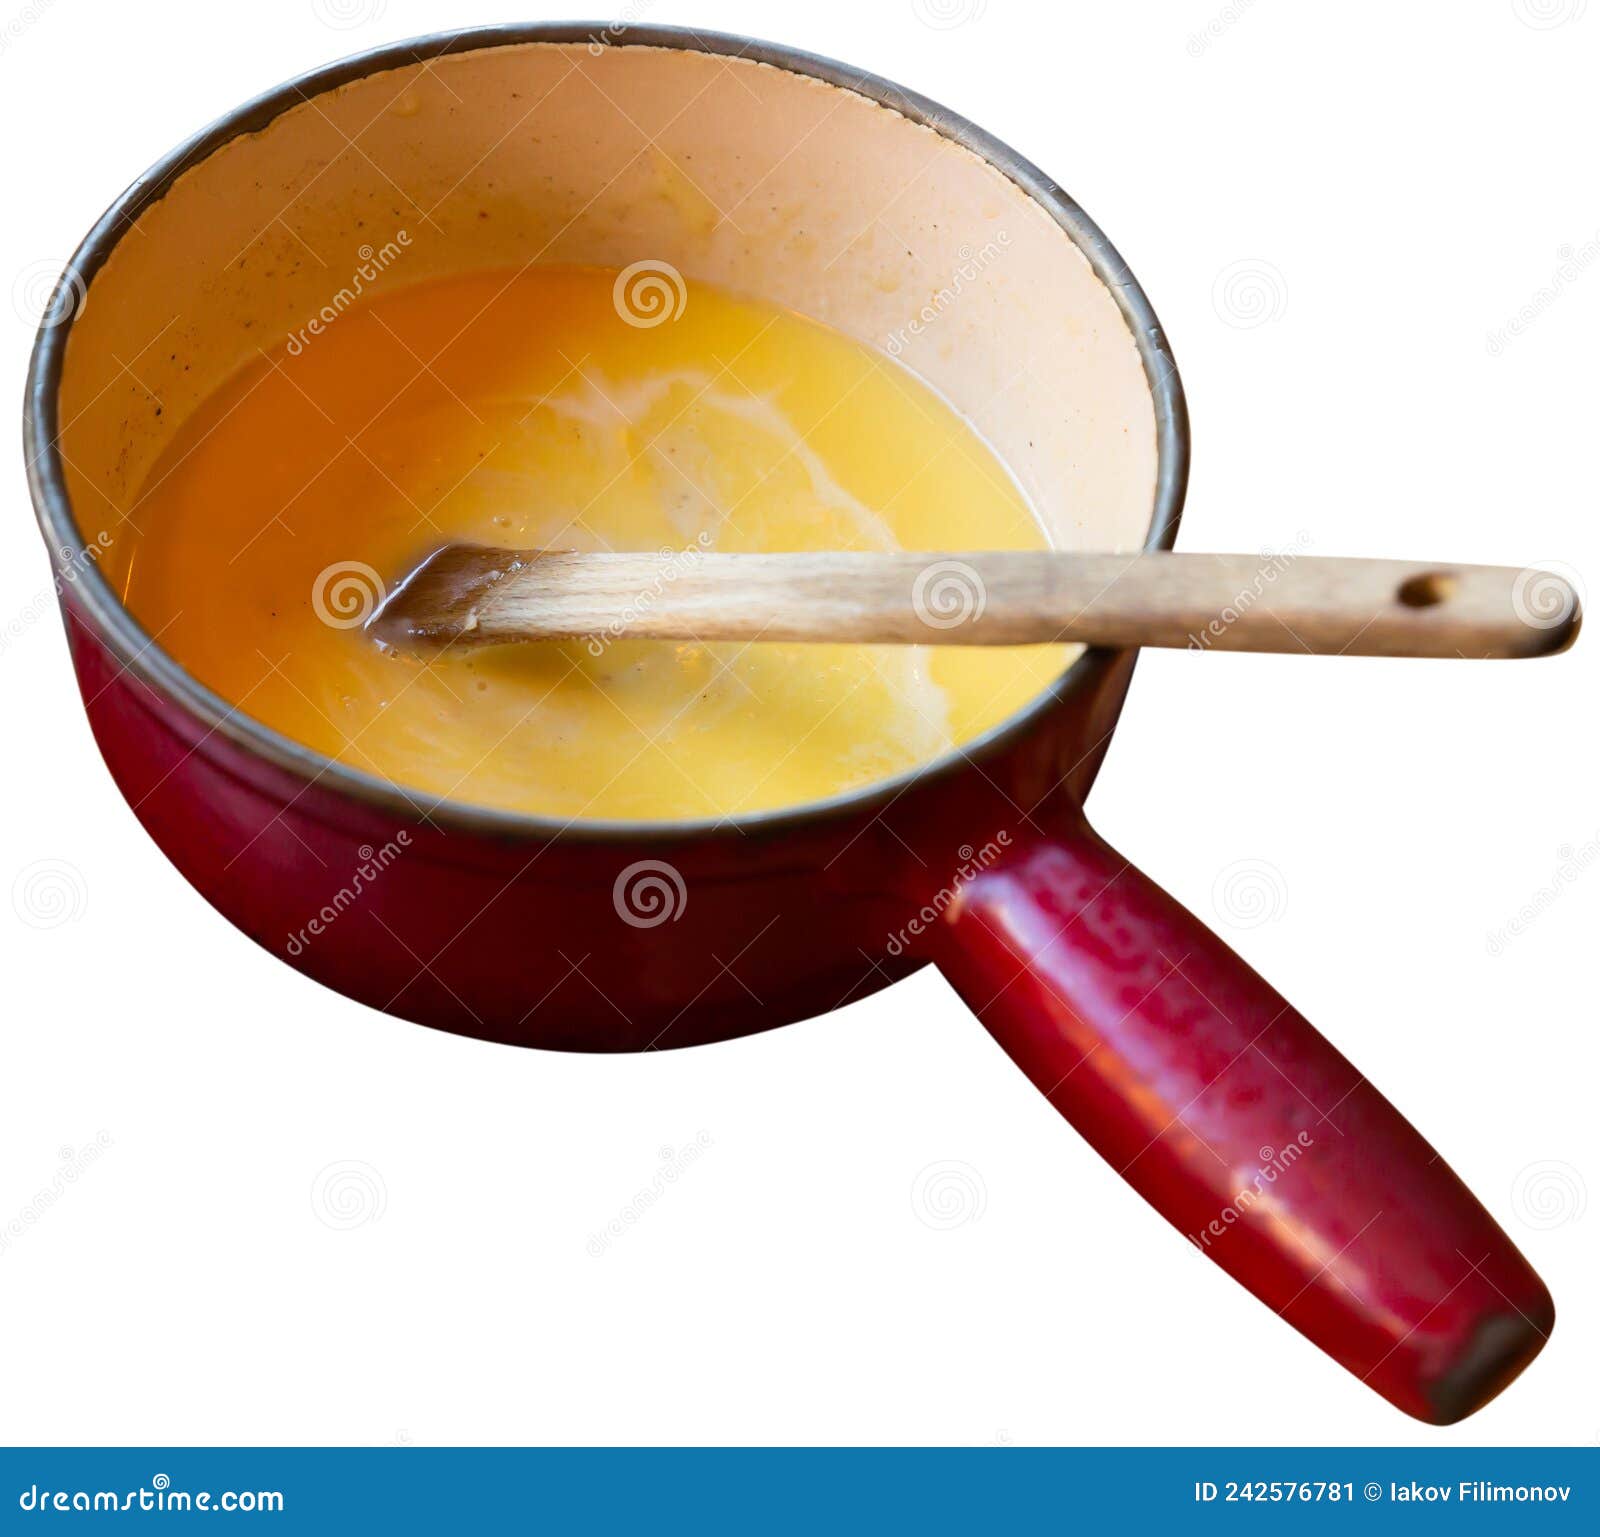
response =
{"points": [[570, 408]]}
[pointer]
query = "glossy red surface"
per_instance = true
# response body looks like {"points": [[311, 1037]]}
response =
{"points": [[517, 940], [1242, 1126], [1213, 1098]]}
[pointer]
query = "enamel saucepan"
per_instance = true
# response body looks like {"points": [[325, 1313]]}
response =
{"points": [[841, 196]]}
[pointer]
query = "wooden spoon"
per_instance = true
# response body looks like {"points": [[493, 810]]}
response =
{"points": [[476, 595]]}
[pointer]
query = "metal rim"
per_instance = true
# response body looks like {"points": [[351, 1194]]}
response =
{"points": [[138, 653]]}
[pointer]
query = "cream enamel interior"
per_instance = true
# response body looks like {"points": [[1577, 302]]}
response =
{"points": [[764, 181], [756, 178]]}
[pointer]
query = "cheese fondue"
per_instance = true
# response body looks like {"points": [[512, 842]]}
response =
{"points": [[570, 408]]}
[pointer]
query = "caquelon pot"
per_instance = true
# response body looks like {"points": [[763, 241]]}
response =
{"points": [[842, 196]]}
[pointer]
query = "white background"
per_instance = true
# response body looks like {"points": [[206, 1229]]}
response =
{"points": [[1399, 182]]}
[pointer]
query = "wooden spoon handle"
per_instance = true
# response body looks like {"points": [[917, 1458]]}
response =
{"points": [[998, 598]]}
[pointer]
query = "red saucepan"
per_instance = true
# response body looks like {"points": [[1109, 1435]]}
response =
{"points": [[846, 198]]}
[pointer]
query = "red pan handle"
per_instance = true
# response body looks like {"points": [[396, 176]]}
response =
{"points": [[1241, 1125]]}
